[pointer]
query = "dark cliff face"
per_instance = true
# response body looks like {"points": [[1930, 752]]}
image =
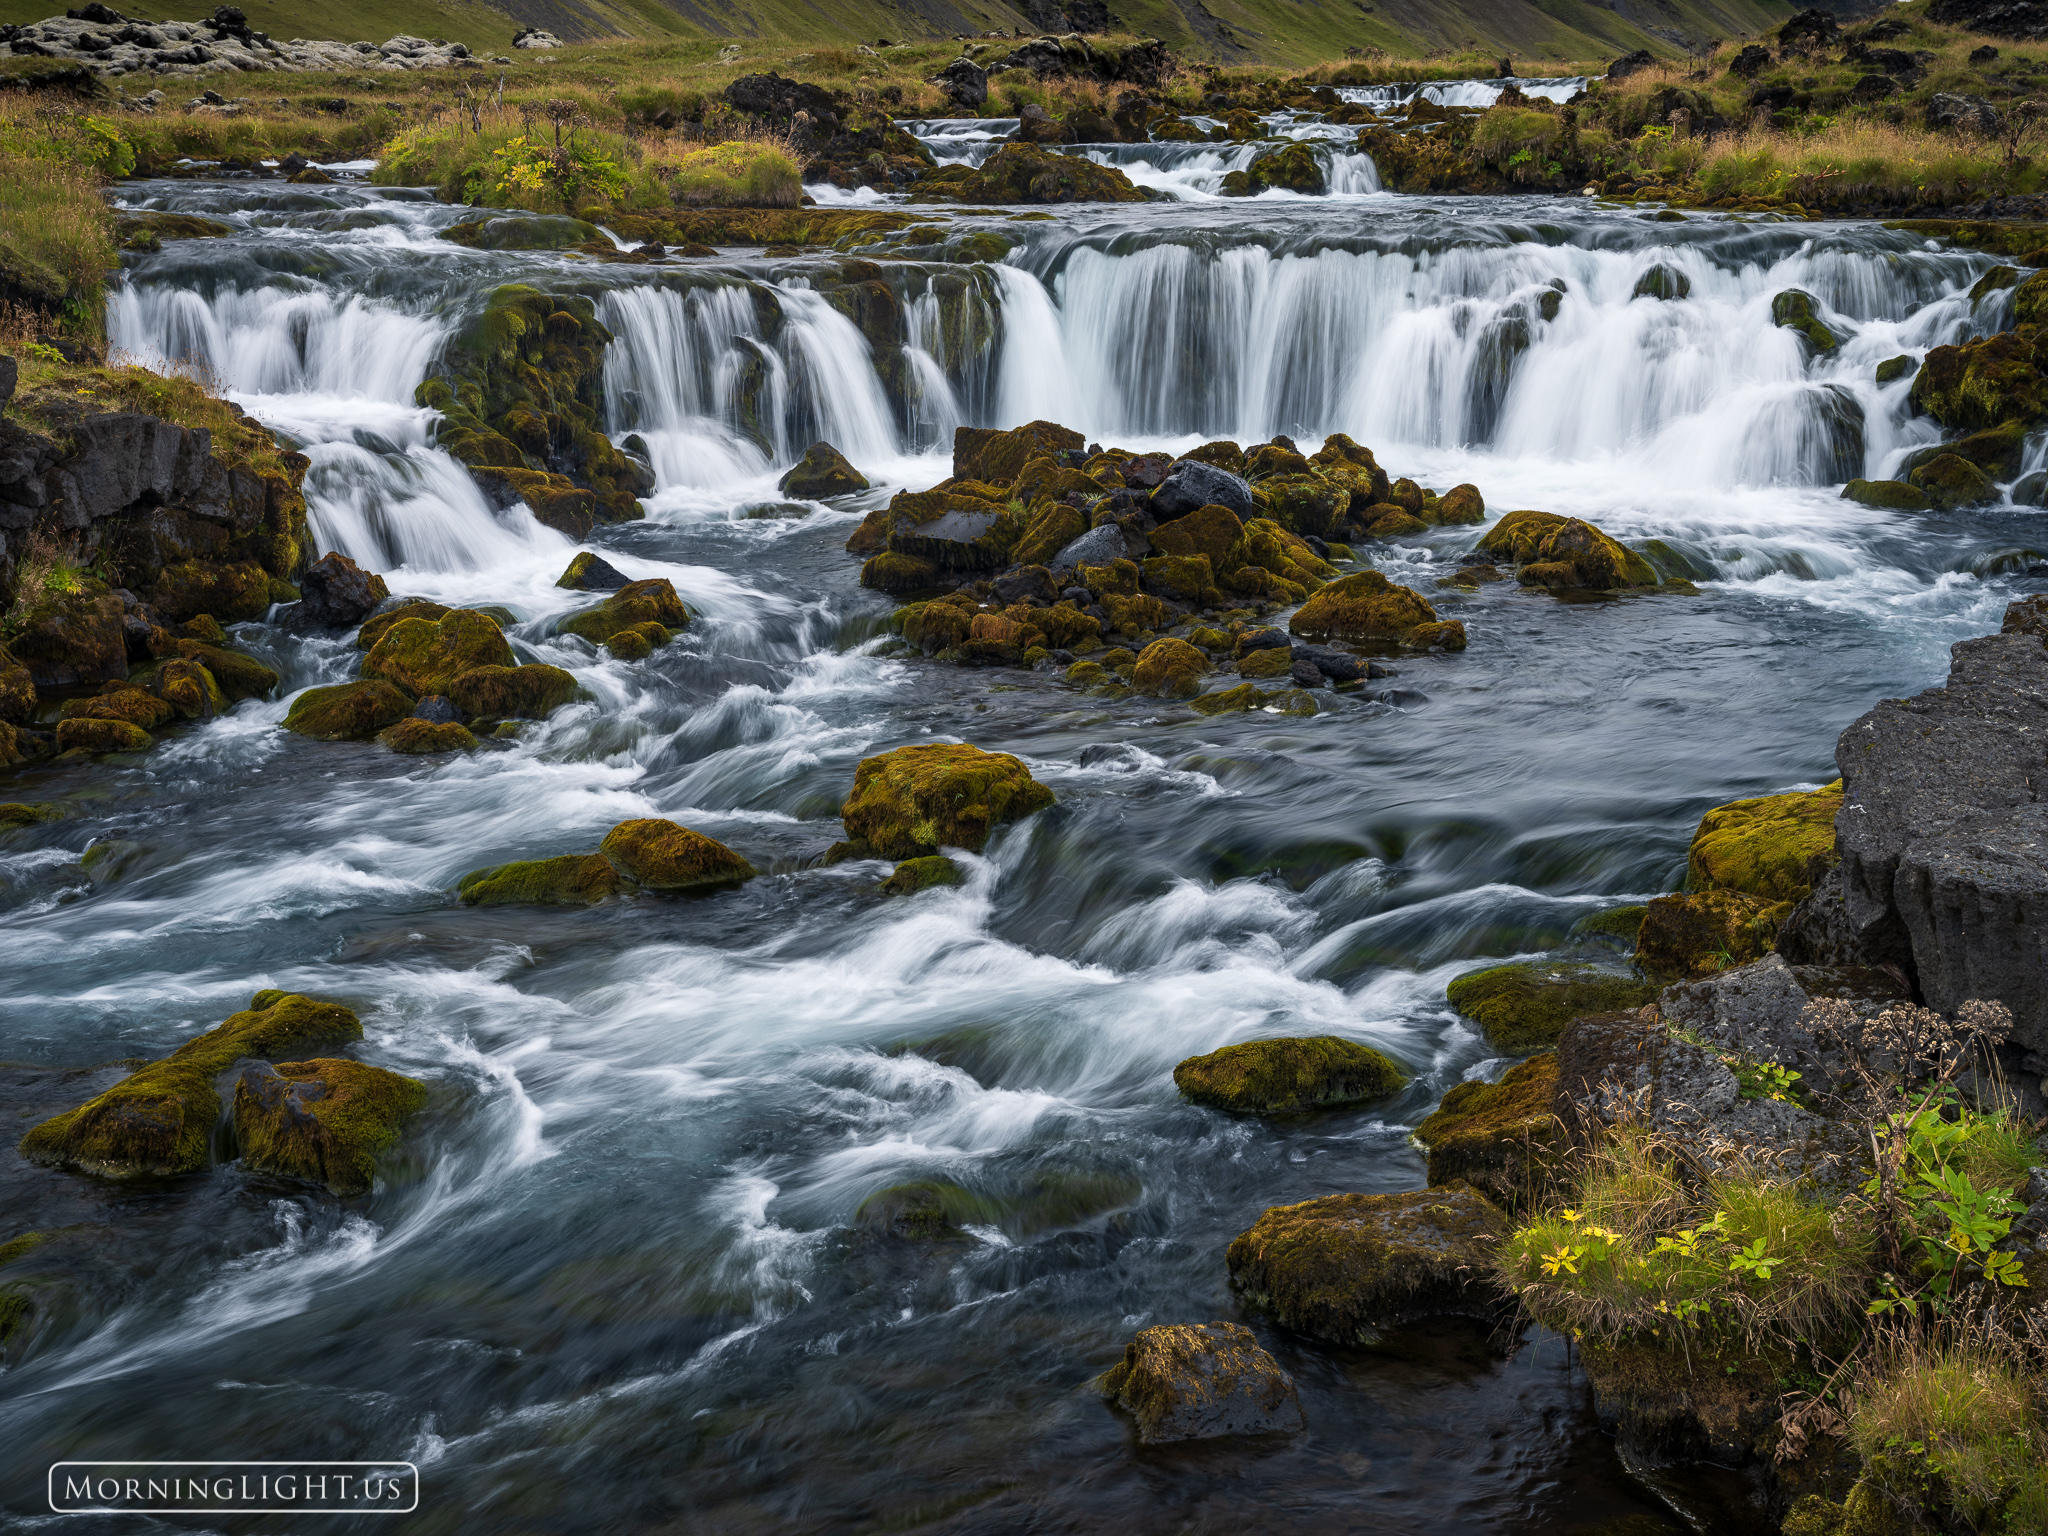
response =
{"points": [[1943, 834]]}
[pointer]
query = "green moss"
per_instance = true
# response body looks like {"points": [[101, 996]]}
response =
{"points": [[1896, 368], [1363, 606], [1565, 552], [98, 736], [914, 875], [377, 625], [1775, 847], [1501, 1138], [134, 705], [1793, 310], [572, 880], [1289, 1076], [17, 814], [20, 1247], [348, 711], [1618, 923], [530, 692], [1170, 669], [636, 603], [1344, 1267], [665, 857], [924, 1209], [1212, 532], [1710, 931], [324, 1120], [237, 676], [1024, 173], [228, 592], [425, 656], [900, 575], [1527, 1004], [1892, 495], [1273, 661], [1951, 481], [158, 1120], [1051, 529], [915, 800], [416, 737]]}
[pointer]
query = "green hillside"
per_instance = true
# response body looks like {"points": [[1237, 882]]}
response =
{"points": [[1291, 32]]}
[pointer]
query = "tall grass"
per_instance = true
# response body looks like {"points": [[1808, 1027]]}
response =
{"points": [[56, 233], [1858, 160]]}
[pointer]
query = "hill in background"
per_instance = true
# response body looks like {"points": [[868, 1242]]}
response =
{"points": [[1289, 32]]}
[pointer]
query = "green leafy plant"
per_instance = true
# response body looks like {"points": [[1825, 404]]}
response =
{"points": [[1955, 1221]]}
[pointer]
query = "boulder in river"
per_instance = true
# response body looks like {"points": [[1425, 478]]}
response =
{"points": [[914, 875], [323, 1120], [416, 737], [1212, 531], [636, 603], [1291, 1076], [159, 1120], [1891, 495], [1706, 931], [1187, 1381], [992, 456], [571, 880], [924, 1210], [916, 800], [237, 676], [1170, 669], [1192, 484], [188, 688], [380, 623], [589, 572], [662, 856], [1364, 606], [1345, 1267], [100, 736], [1504, 1138], [1293, 169], [1566, 553], [1949, 481], [531, 691], [425, 656], [1523, 1005], [335, 593], [1777, 846], [1793, 310], [348, 711], [822, 472], [1025, 173]]}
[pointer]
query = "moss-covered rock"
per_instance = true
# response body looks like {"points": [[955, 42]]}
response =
{"points": [[1793, 310], [1892, 495], [378, 625], [1212, 532], [822, 472], [1566, 553], [589, 572], [1289, 1076], [137, 706], [237, 676], [188, 688], [1983, 383], [1893, 368], [924, 1210], [1170, 669], [1708, 931], [323, 1120], [1866, 1510], [1775, 847], [529, 692], [1364, 606], [348, 711], [1501, 1138], [1181, 1381], [425, 656], [72, 639], [897, 574], [640, 602], [1461, 504], [916, 800], [1051, 528], [1345, 1267], [230, 593], [16, 814], [914, 875], [1527, 1004], [97, 736], [1950, 481], [572, 880], [1293, 169], [205, 628], [159, 1119], [417, 737], [17, 691], [1024, 173], [663, 856], [993, 456]]}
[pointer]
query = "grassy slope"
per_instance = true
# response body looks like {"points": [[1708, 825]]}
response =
{"points": [[1291, 32]]}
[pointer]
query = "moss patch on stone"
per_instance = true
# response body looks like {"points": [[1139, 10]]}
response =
{"points": [[324, 1120], [1526, 1004], [1364, 606], [377, 625], [914, 875], [663, 856], [572, 880], [1170, 669], [1776, 846], [1708, 931], [417, 737], [425, 656], [915, 800], [348, 711], [636, 603], [98, 736], [1566, 553], [1291, 1076], [1501, 1138], [529, 692]]}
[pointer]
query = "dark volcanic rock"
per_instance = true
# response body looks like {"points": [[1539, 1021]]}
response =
{"points": [[1192, 484], [336, 594], [1098, 546], [1997, 18]]}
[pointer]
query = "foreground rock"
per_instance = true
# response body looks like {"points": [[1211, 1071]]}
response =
{"points": [[913, 801], [1504, 1139], [425, 656], [1185, 1381], [1943, 837], [325, 1121], [1566, 554], [336, 594], [645, 854], [1288, 1077], [1524, 1005], [822, 472], [1346, 1267]]}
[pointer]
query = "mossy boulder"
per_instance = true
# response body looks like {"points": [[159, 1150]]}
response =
{"points": [[1293, 169], [1290, 1076], [1183, 1381], [1274, 661], [230, 593], [996, 456], [1501, 1138], [916, 800], [663, 856], [572, 880], [375, 627], [323, 1120], [1050, 529], [1461, 504], [348, 711], [160, 1119], [636, 603], [1983, 383], [1708, 931], [588, 572], [97, 736], [1865, 1510], [72, 639], [1893, 368], [1170, 669], [822, 472], [924, 1209], [237, 676], [639, 642], [1950, 481], [1793, 310], [529, 692], [17, 691], [1024, 173], [1891, 495], [1345, 1267], [1211, 531], [1566, 553], [1527, 1004], [15, 814], [914, 875], [417, 737], [425, 656], [137, 706], [897, 574], [1776, 847], [1364, 606]]}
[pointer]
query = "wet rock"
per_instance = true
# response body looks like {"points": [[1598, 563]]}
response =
{"points": [[1265, 664], [233, 593], [592, 573], [16, 814], [662, 856], [916, 800], [1048, 532], [1708, 931], [1288, 1077], [1098, 546], [1501, 1138], [159, 1120], [1662, 282], [101, 735], [1027, 174], [1032, 584], [375, 627], [1183, 1381], [1564, 552], [1524, 1005], [189, 688], [1775, 847], [238, 676], [899, 575], [1893, 368], [1794, 310], [17, 691], [1892, 495], [532, 691], [638, 602], [324, 1120], [424, 656], [1982, 383], [1950, 481], [436, 710], [924, 1210], [1365, 606], [117, 701], [1293, 169], [72, 639], [996, 457], [914, 875], [1346, 1267], [348, 711], [336, 593], [1191, 485], [953, 530], [1170, 669], [417, 737], [572, 880], [1329, 662], [822, 472], [1212, 532]]}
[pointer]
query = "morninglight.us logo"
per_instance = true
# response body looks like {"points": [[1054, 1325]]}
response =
{"points": [[235, 1487]]}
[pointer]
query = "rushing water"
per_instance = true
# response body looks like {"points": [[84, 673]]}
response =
{"points": [[613, 1283]]}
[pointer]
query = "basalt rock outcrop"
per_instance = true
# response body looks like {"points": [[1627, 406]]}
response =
{"points": [[108, 43]]}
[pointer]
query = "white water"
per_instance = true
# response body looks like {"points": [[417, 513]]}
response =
{"points": [[1477, 94]]}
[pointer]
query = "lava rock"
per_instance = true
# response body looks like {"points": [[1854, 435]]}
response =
{"points": [[1191, 484], [436, 710], [592, 573], [1338, 666], [1098, 546], [965, 84], [1031, 584], [335, 593], [1184, 1381], [822, 472]]}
